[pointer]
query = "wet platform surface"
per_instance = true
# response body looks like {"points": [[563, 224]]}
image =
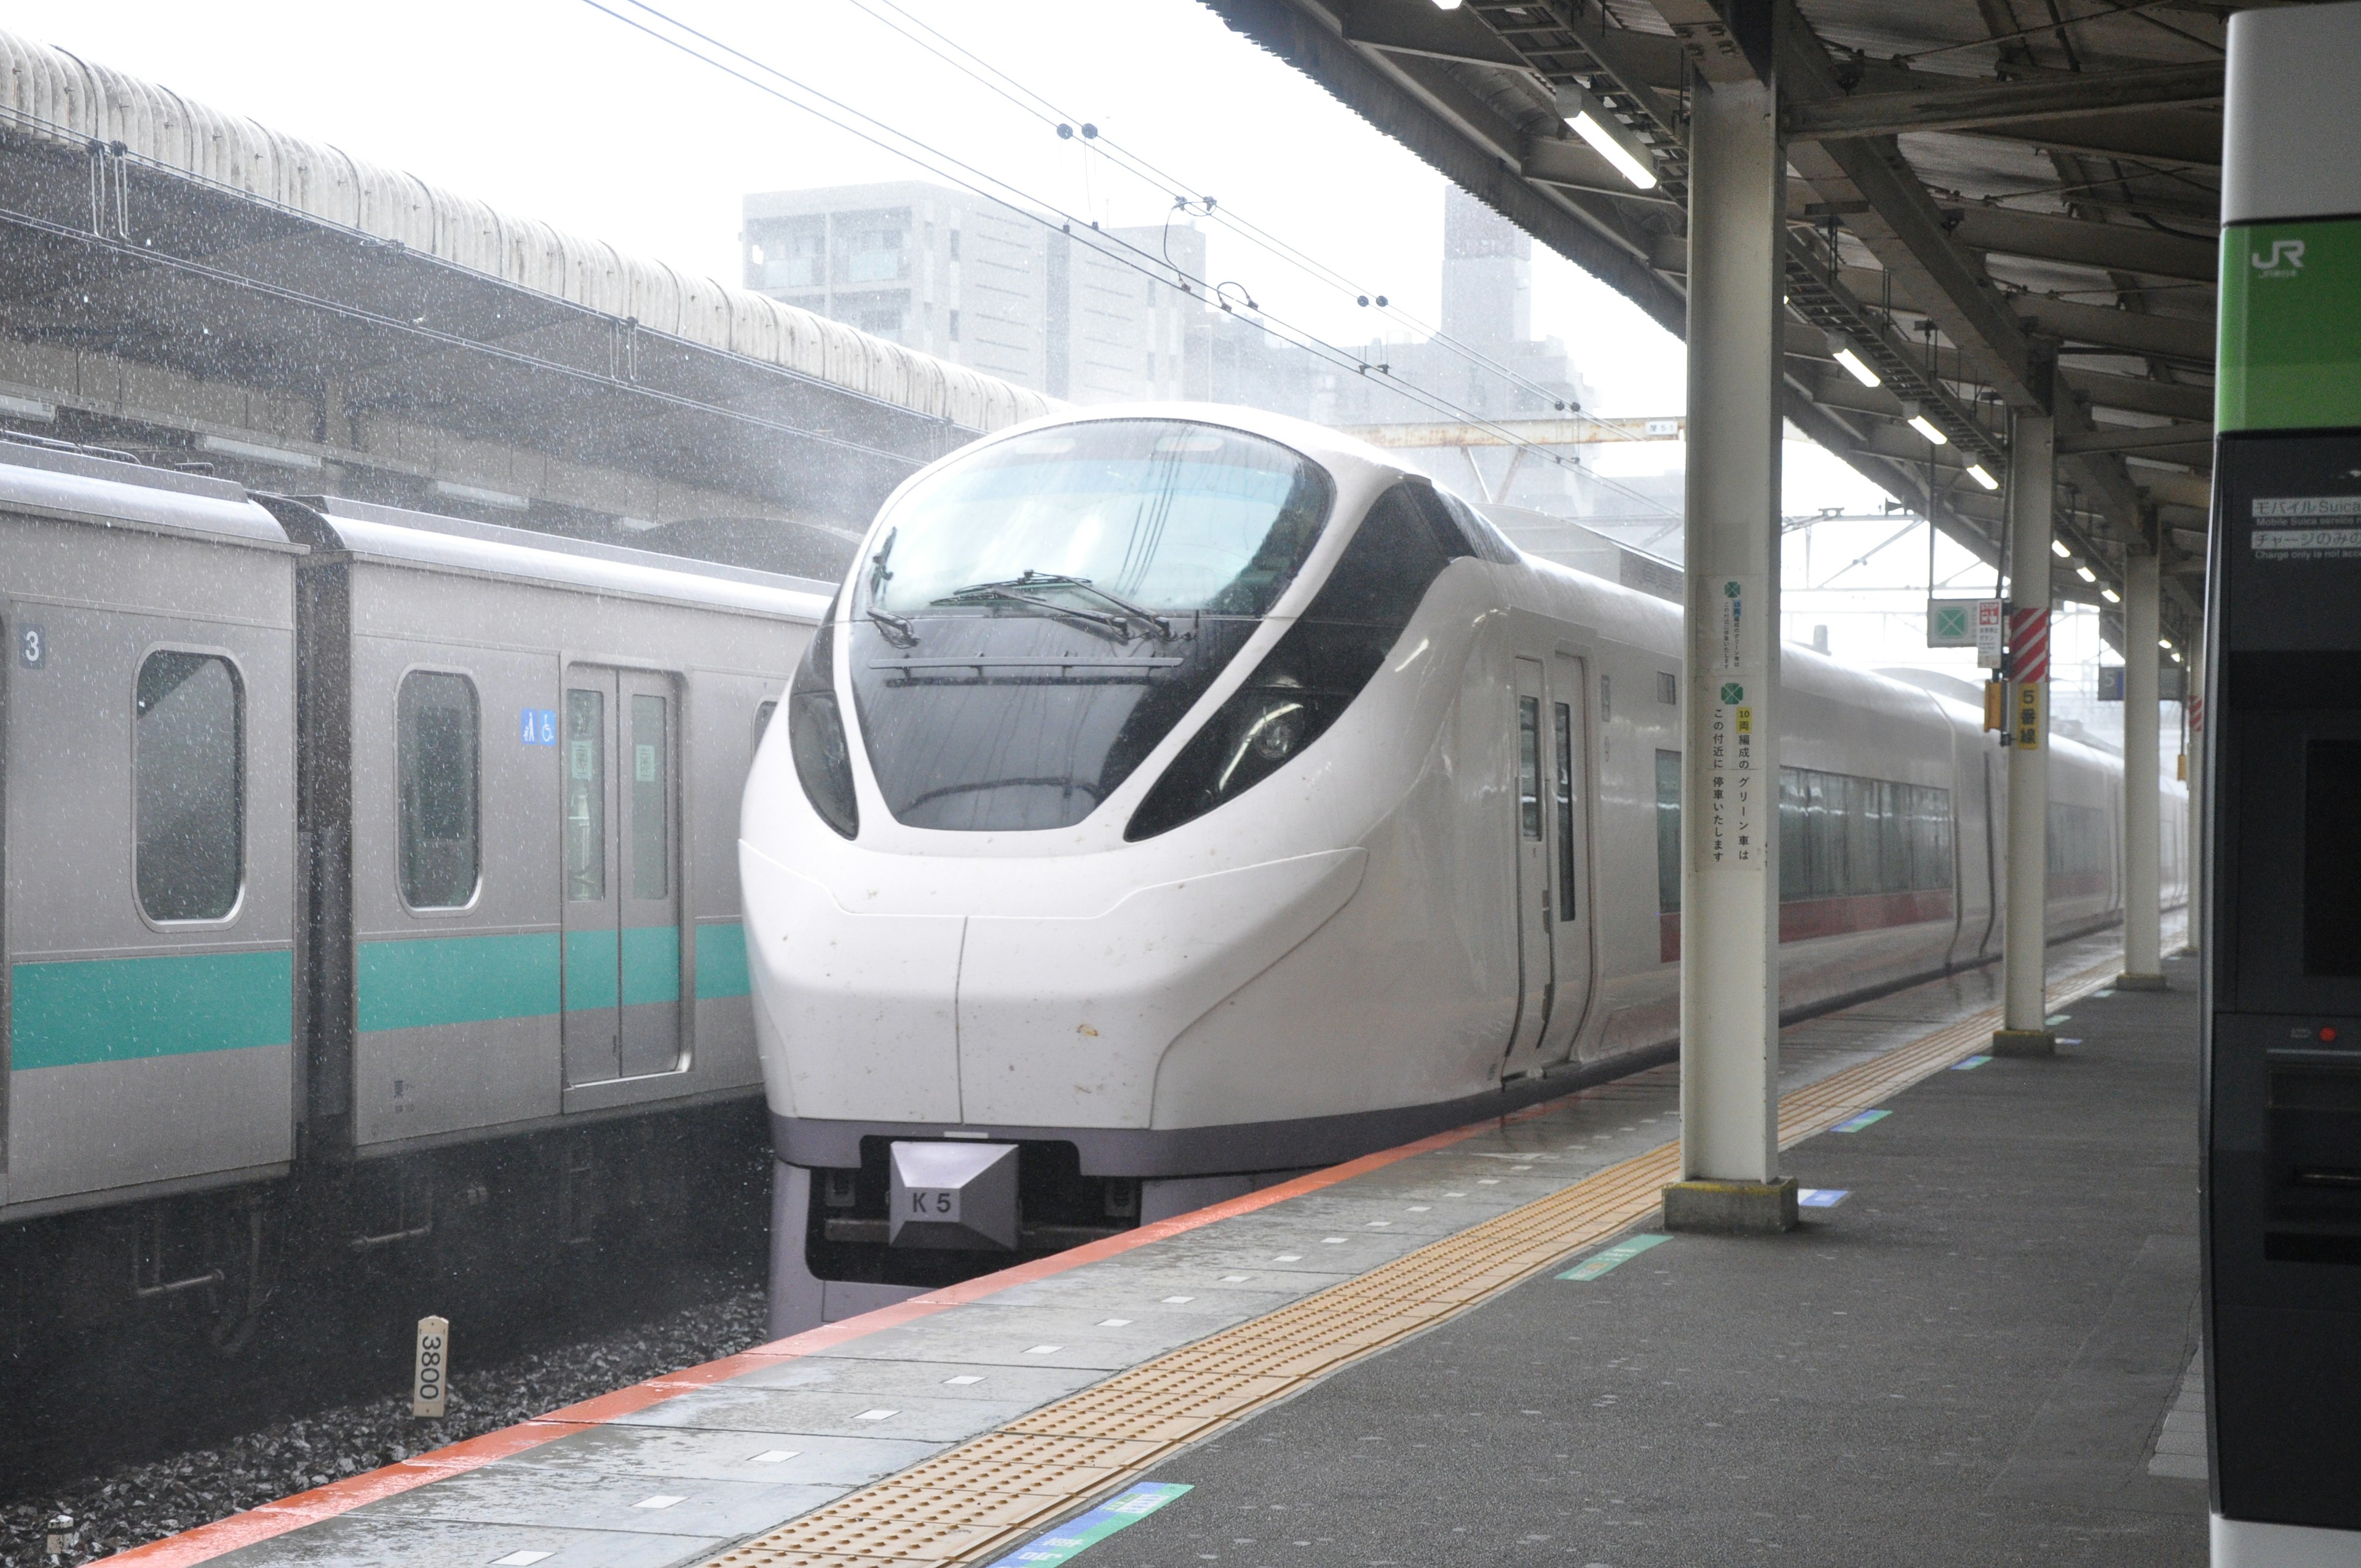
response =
{"points": [[1982, 1354], [1975, 1356]]}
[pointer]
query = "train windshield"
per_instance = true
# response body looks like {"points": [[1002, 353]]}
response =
{"points": [[1171, 515], [1034, 620]]}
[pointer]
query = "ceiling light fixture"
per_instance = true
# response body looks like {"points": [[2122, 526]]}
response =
{"points": [[2111, 595], [2058, 548], [1983, 476], [1609, 138], [1919, 423], [1855, 366], [2087, 575]]}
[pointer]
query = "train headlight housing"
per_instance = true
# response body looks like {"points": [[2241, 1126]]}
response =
{"points": [[816, 735]]}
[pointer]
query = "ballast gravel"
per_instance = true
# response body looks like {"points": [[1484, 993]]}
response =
{"points": [[87, 1520]]}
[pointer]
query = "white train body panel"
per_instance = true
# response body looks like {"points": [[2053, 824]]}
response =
{"points": [[1351, 949]]}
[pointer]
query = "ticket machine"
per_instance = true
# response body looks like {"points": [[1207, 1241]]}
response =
{"points": [[2282, 940]]}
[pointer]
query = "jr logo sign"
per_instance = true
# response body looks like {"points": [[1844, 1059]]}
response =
{"points": [[2284, 258]]}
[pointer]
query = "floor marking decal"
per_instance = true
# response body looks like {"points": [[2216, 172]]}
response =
{"points": [[1061, 1544], [1822, 1196], [1866, 1119], [1970, 1065], [1621, 1253]]}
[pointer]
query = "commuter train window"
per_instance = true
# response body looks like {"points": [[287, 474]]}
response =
{"points": [[2081, 849], [1668, 688], [1668, 831], [1565, 900], [585, 796], [650, 795], [439, 765], [1843, 837], [762, 711], [189, 767], [1529, 766]]}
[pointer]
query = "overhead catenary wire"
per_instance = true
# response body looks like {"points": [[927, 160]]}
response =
{"points": [[980, 181], [1185, 194]]}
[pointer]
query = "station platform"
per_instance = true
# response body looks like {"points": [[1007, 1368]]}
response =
{"points": [[1470, 1349]]}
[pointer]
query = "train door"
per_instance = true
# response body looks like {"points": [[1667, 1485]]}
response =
{"points": [[1535, 956], [621, 902], [1568, 831]]}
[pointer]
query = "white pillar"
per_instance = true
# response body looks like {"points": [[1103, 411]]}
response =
{"points": [[2143, 848], [2032, 464], [1730, 778]]}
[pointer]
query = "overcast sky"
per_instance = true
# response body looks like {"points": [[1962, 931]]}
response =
{"points": [[552, 109]]}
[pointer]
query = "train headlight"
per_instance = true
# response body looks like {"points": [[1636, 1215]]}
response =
{"points": [[816, 735], [1277, 734]]}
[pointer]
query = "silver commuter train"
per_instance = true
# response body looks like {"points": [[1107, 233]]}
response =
{"points": [[1180, 796], [357, 843]]}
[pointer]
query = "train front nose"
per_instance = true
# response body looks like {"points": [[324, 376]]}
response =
{"points": [[1012, 1019], [1064, 1020], [858, 1008]]}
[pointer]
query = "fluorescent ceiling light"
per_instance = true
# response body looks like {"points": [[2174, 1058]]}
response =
{"points": [[1856, 368], [1983, 476], [2058, 548], [1609, 138], [2165, 643], [2111, 595], [255, 453], [2087, 575], [1447, 5], [1918, 422], [2175, 658]]}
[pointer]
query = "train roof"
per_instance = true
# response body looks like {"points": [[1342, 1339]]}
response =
{"points": [[117, 490], [430, 540]]}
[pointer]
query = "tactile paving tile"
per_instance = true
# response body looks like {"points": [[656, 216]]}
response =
{"points": [[960, 1504]]}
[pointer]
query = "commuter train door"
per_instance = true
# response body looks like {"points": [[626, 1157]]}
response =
{"points": [[1536, 958], [621, 886]]}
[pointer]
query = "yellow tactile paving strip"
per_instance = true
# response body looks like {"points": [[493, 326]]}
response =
{"points": [[985, 1494]]}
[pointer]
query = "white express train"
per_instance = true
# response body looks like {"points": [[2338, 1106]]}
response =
{"points": [[1177, 797]]}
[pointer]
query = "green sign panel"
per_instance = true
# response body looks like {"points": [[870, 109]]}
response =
{"points": [[2291, 326], [1951, 625]]}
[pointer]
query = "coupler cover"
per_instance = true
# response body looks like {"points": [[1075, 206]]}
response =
{"points": [[954, 1195]]}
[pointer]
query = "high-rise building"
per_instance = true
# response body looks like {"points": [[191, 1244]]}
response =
{"points": [[979, 283]]}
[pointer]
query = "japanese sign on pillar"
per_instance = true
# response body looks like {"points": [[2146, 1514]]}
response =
{"points": [[2028, 671], [1733, 836], [1988, 634]]}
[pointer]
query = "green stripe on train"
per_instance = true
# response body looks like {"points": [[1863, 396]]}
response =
{"points": [[103, 1010], [421, 982], [721, 961], [432, 981]]}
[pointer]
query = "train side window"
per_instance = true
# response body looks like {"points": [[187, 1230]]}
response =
{"points": [[439, 739], [1566, 906], [650, 792], [189, 767], [585, 796], [762, 711], [1668, 831], [1529, 766]]}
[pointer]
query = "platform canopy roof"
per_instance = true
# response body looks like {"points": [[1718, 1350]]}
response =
{"points": [[1993, 204]]}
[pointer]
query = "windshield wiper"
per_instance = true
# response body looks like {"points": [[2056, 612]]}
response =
{"points": [[898, 629], [1156, 625], [1006, 593]]}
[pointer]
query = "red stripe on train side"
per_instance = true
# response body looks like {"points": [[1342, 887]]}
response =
{"points": [[1801, 919]]}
